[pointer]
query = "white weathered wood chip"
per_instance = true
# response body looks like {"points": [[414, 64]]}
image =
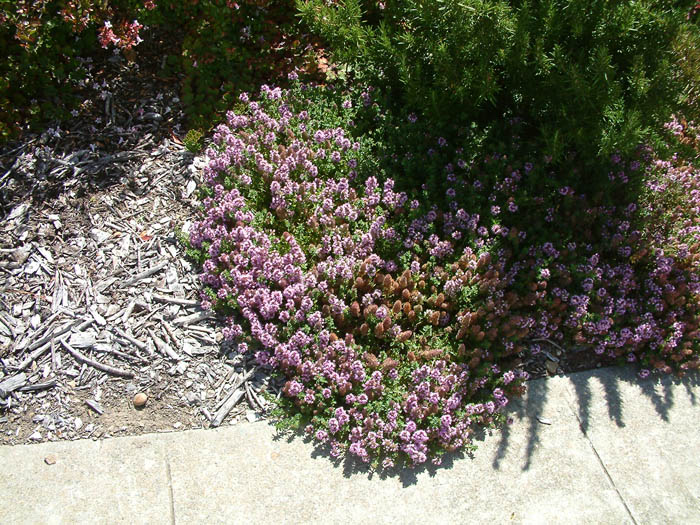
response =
{"points": [[139, 344], [163, 346], [32, 267], [45, 253], [193, 318], [189, 189], [95, 406], [18, 211], [174, 300], [96, 364], [143, 275], [82, 339], [96, 316], [12, 383]]}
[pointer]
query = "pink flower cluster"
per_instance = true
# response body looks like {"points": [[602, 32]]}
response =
{"points": [[304, 251], [127, 35]]}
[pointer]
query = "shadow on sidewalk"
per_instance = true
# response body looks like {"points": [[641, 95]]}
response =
{"points": [[531, 407], [657, 388]]}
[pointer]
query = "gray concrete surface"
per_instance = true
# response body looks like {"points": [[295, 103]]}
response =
{"points": [[616, 451], [647, 435]]}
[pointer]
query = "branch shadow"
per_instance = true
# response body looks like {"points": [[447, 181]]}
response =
{"points": [[530, 406], [581, 387], [533, 408]]}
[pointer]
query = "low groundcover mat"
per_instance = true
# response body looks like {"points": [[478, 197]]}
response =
{"points": [[398, 318]]}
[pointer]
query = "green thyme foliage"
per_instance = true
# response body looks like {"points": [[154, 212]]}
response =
{"points": [[193, 140]]}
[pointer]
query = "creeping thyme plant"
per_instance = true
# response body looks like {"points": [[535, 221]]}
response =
{"points": [[398, 318], [310, 253]]}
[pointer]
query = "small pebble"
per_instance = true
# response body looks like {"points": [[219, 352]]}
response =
{"points": [[50, 460], [552, 367], [140, 400]]}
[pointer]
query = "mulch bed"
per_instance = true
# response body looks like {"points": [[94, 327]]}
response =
{"points": [[97, 301]]}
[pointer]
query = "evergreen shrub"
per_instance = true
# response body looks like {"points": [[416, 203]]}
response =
{"points": [[593, 77], [216, 47]]}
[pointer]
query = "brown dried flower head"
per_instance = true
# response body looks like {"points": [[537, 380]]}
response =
{"points": [[379, 330], [386, 323], [388, 364], [371, 360], [404, 336], [431, 354], [388, 281]]}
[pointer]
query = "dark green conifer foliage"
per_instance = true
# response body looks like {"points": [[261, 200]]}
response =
{"points": [[592, 76]]}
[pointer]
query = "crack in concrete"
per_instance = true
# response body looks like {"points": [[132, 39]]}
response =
{"points": [[600, 462], [170, 490]]}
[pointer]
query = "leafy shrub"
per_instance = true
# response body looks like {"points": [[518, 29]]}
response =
{"points": [[46, 42], [593, 77], [228, 47], [218, 47], [687, 52], [40, 41], [398, 318]]}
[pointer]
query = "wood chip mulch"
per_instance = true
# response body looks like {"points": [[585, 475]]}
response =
{"points": [[97, 300]]}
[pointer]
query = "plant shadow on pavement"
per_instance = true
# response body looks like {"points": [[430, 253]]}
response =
{"points": [[657, 388], [352, 466]]}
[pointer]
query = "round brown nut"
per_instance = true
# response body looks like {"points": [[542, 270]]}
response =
{"points": [[140, 400]]}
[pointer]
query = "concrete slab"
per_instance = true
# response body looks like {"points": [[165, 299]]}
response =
{"points": [[647, 435], [596, 447], [96, 482], [534, 474]]}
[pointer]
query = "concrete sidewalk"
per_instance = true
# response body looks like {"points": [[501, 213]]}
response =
{"points": [[617, 451]]}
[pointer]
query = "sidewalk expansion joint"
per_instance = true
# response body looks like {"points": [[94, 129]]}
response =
{"points": [[170, 490], [601, 463]]}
